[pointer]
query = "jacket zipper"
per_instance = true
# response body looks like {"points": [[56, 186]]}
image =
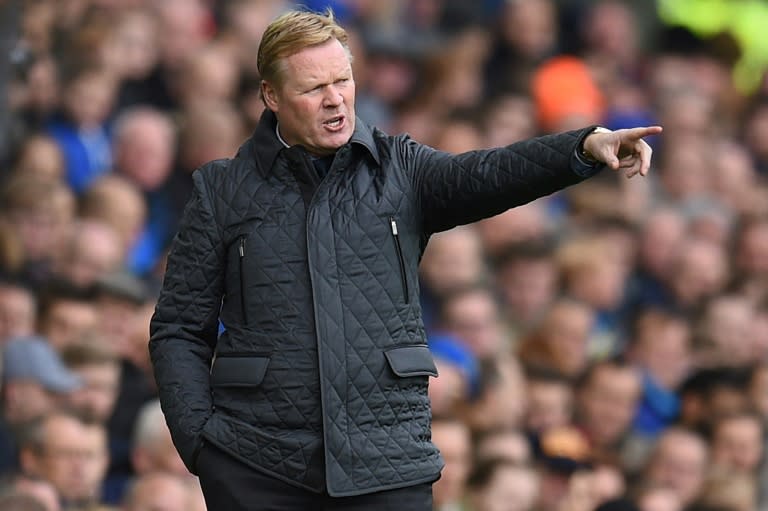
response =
{"points": [[241, 265], [401, 259]]}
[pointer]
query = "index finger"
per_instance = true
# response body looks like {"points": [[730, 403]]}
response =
{"points": [[642, 132]]}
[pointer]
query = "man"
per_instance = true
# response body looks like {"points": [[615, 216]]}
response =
{"points": [[607, 398], [34, 382], [70, 453], [152, 449], [158, 491], [98, 368], [679, 461], [453, 438], [305, 247]]}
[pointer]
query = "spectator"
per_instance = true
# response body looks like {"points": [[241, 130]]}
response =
{"points": [[99, 369], [550, 400], [607, 397], [728, 490], [67, 314], [661, 348], [136, 54], [472, 314], [657, 498], [144, 148], [751, 256], [39, 489], [661, 233], [82, 130], [501, 485], [722, 332], [524, 224], [710, 393], [452, 437], [41, 157], [40, 214], [679, 461], [559, 341], [453, 260], [737, 443], [158, 491], [700, 271], [18, 311], [527, 277], [120, 297], [152, 449], [93, 251], [510, 444], [35, 381], [117, 202], [598, 282], [70, 453]]}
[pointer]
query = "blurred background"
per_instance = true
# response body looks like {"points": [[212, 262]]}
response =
{"points": [[602, 348]]}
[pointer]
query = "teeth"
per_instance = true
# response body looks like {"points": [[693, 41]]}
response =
{"points": [[334, 123]]}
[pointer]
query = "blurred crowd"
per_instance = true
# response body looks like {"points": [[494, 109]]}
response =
{"points": [[602, 348]]}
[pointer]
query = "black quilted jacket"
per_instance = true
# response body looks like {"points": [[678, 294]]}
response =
{"points": [[320, 375]]}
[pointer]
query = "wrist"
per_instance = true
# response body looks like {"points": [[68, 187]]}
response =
{"points": [[583, 152]]}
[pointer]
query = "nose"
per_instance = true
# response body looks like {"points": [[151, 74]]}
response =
{"points": [[333, 97]]}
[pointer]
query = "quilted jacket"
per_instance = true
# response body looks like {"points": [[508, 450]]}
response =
{"points": [[288, 331]]}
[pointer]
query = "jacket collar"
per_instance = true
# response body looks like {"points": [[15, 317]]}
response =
{"points": [[264, 146]]}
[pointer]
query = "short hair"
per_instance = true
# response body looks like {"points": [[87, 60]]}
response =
{"points": [[150, 423], [86, 354], [292, 32], [616, 362], [484, 471], [128, 118]]}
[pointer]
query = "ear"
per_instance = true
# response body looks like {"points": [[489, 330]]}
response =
{"points": [[140, 460], [269, 93], [28, 461]]}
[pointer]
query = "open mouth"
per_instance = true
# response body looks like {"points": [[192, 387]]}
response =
{"points": [[335, 122]]}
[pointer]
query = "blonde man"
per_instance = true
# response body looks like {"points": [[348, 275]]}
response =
{"points": [[305, 247]]}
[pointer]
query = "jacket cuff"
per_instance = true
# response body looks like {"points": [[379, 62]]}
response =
{"points": [[580, 166]]}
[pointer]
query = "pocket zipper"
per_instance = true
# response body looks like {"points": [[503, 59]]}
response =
{"points": [[401, 259], [241, 261]]}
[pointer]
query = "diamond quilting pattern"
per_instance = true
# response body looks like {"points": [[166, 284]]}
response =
{"points": [[324, 300]]}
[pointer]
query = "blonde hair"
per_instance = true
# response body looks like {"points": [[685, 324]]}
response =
{"points": [[291, 33]]}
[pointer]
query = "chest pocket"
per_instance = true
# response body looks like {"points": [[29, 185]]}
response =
{"points": [[256, 243]]}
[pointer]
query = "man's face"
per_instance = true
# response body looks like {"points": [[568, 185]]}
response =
{"points": [[68, 321], [737, 444], [74, 458], [679, 464], [454, 443], [96, 399], [315, 100], [607, 403]]}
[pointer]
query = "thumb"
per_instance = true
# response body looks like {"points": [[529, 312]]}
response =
{"points": [[610, 159]]}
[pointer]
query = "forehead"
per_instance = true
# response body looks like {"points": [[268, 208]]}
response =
{"points": [[318, 62], [66, 431]]}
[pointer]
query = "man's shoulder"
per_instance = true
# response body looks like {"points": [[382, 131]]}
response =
{"points": [[223, 169]]}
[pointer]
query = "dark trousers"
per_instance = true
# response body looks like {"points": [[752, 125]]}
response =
{"points": [[229, 485]]}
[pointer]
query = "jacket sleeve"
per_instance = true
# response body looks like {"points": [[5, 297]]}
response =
{"points": [[184, 327], [459, 189]]}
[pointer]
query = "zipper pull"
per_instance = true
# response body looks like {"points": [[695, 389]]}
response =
{"points": [[394, 226], [242, 246]]}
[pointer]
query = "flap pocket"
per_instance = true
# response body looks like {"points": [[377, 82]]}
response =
{"points": [[239, 371], [411, 361]]}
